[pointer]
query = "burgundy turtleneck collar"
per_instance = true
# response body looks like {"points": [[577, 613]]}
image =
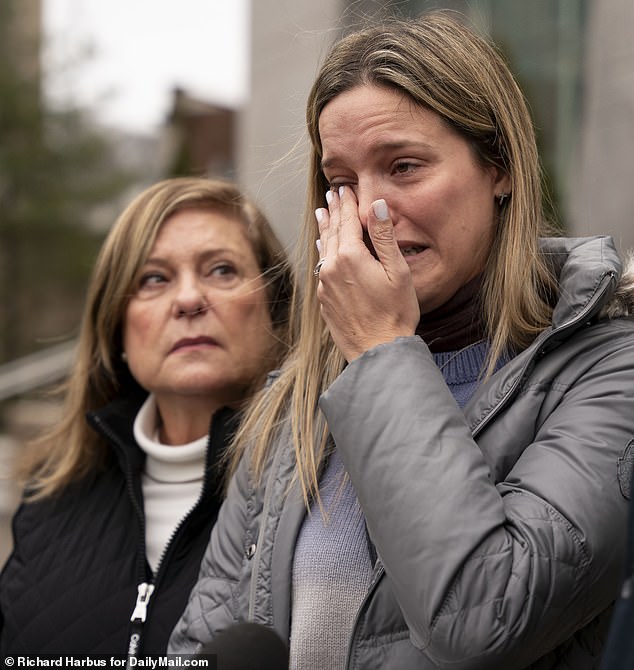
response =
{"points": [[457, 323]]}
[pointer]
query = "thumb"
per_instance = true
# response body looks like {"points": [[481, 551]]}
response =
{"points": [[381, 232]]}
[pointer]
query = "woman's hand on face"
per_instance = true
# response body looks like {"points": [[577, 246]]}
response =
{"points": [[365, 300]]}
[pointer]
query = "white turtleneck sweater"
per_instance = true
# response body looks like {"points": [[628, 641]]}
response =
{"points": [[172, 480]]}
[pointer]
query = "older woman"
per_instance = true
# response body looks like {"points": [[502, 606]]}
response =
{"points": [[186, 312], [458, 413]]}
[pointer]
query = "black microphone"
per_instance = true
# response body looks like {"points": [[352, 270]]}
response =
{"points": [[248, 646]]}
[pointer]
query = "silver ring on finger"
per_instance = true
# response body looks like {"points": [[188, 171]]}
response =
{"points": [[318, 266]]}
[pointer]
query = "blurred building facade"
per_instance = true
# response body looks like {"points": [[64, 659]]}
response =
{"points": [[200, 137], [601, 196]]}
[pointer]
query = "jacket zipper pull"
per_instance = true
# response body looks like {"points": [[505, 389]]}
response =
{"points": [[145, 590], [138, 617]]}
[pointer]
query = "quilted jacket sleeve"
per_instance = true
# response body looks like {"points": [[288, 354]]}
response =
{"points": [[214, 603], [489, 574]]}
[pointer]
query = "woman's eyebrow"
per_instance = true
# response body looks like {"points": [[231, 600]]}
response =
{"points": [[388, 145]]}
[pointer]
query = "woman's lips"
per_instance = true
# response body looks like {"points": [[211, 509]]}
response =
{"points": [[412, 249], [193, 342]]}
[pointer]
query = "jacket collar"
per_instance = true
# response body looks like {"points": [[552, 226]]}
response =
{"points": [[581, 265], [115, 423]]}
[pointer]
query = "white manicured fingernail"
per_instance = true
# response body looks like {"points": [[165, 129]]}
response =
{"points": [[380, 210], [319, 214], [329, 196], [318, 244], [341, 189]]}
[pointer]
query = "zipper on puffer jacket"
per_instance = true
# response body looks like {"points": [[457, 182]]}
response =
{"points": [[139, 615], [147, 586], [378, 573]]}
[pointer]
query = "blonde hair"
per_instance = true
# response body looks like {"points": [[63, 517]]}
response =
{"points": [[446, 67], [71, 449]]}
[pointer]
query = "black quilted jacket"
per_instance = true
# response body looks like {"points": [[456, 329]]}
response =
{"points": [[70, 585]]}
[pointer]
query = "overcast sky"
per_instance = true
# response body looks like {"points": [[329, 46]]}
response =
{"points": [[141, 50]]}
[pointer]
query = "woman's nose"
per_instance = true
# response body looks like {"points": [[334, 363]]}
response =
{"points": [[190, 298]]}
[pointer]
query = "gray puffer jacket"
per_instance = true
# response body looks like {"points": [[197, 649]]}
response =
{"points": [[500, 530]]}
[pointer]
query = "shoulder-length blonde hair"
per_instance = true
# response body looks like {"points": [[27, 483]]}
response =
{"points": [[71, 449], [446, 67]]}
